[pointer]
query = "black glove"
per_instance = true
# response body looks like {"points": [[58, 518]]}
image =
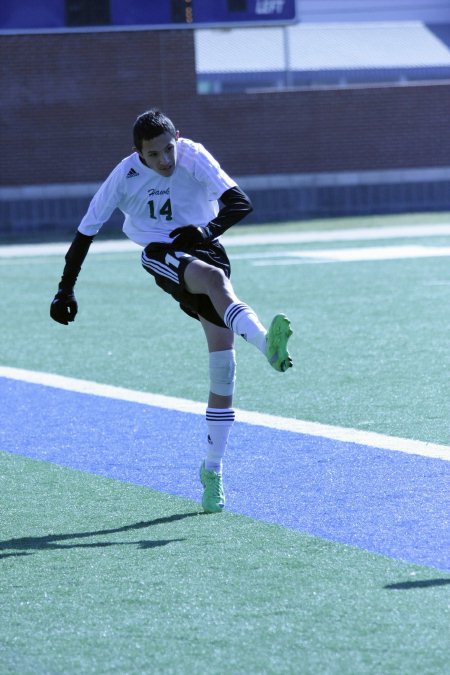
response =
{"points": [[64, 307], [189, 236]]}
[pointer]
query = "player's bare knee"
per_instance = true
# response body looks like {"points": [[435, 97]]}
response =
{"points": [[215, 279]]}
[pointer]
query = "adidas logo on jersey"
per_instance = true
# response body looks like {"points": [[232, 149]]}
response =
{"points": [[132, 173]]}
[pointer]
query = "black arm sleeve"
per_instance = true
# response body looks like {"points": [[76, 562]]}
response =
{"points": [[236, 205], [74, 259]]}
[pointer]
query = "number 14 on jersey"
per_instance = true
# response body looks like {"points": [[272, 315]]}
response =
{"points": [[164, 212]]}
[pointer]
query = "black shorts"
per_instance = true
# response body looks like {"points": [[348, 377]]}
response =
{"points": [[167, 265]]}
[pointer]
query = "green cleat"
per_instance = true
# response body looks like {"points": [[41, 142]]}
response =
{"points": [[213, 499], [276, 343]]}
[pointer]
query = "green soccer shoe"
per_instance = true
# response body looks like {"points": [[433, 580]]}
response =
{"points": [[213, 499], [276, 343]]}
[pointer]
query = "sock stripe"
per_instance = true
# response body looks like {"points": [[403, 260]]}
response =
{"points": [[232, 312], [224, 418], [242, 320], [224, 415]]}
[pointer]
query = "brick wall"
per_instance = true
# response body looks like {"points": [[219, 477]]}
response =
{"points": [[69, 102], [331, 130]]}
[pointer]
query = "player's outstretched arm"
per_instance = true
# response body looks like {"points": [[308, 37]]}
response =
{"points": [[235, 206], [64, 306]]}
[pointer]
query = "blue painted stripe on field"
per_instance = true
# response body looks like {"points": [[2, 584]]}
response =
{"points": [[385, 502]]}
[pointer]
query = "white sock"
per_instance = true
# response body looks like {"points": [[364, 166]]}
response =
{"points": [[219, 421], [241, 319]]}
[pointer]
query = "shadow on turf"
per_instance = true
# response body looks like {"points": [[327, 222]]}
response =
{"points": [[420, 583], [28, 545]]}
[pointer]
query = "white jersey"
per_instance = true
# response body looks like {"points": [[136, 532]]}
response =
{"points": [[155, 205]]}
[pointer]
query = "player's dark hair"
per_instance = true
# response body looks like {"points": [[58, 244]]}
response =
{"points": [[149, 125]]}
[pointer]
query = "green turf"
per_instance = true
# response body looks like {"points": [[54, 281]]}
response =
{"points": [[99, 576], [370, 342], [319, 224]]}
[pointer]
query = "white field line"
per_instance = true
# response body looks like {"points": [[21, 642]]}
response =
{"points": [[366, 438], [298, 257], [231, 240], [31, 250], [303, 256]]}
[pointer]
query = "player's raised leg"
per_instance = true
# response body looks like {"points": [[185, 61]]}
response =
{"points": [[202, 278]]}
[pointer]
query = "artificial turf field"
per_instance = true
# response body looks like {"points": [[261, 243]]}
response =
{"points": [[332, 557]]}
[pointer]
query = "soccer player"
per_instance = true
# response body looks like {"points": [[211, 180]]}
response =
{"points": [[168, 190]]}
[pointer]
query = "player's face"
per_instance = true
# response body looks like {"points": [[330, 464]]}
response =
{"points": [[160, 153]]}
